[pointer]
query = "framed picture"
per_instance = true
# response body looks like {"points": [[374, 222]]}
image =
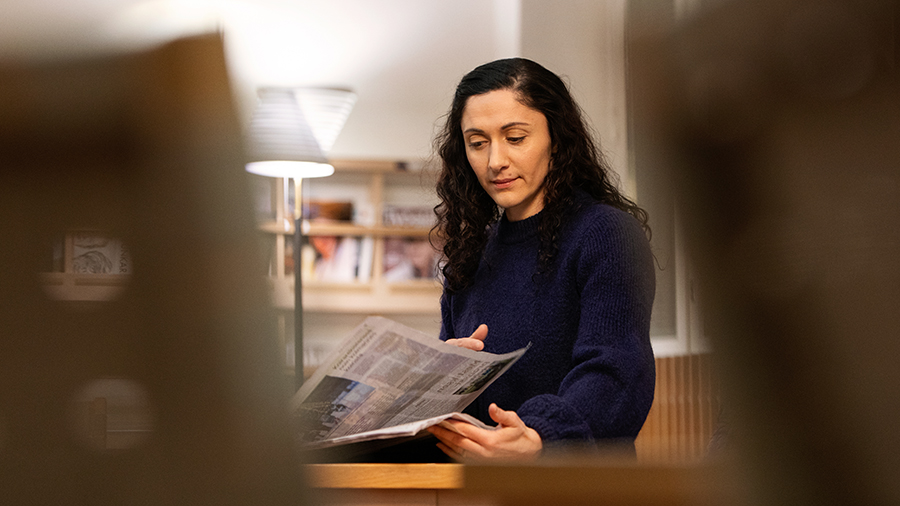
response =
{"points": [[98, 253]]}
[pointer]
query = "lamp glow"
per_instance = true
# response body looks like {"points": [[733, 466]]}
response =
{"points": [[290, 169]]}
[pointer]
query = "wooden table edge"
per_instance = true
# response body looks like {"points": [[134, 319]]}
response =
{"points": [[385, 476]]}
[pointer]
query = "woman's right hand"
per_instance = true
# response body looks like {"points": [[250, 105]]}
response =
{"points": [[473, 342]]}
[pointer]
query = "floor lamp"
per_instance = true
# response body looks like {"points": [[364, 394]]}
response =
{"points": [[282, 144]]}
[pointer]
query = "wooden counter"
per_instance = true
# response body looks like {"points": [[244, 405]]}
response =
{"points": [[387, 484], [550, 483], [386, 476]]}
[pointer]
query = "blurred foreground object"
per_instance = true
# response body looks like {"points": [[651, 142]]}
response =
{"points": [[168, 391], [781, 123]]}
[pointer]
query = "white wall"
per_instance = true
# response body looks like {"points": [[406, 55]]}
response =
{"points": [[402, 57], [583, 41], [405, 57]]}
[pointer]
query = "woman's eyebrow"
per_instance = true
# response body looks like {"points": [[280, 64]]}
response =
{"points": [[504, 127], [513, 124]]}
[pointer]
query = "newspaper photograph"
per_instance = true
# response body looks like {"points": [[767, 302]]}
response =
{"points": [[387, 380]]}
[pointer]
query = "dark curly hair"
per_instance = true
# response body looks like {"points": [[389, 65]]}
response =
{"points": [[466, 211]]}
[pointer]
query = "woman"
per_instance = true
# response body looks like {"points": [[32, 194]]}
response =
{"points": [[541, 248]]}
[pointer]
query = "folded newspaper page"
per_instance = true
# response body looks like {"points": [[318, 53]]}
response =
{"points": [[387, 380]]}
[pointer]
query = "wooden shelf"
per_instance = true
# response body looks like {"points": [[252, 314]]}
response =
{"points": [[342, 301], [313, 228], [407, 297], [83, 287], [372, 166]]}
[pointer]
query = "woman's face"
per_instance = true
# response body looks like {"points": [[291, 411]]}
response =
{"points": [[508, 146]]}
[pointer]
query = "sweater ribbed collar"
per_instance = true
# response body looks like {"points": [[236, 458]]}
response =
{"points": [[510, 232]]}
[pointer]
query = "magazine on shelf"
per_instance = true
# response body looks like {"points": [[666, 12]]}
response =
{"points": [[407, 258], [408, 216], [386, 381]]}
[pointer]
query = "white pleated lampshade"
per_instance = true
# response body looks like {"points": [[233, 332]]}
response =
{"points": [[281, 141], [326, 110]]}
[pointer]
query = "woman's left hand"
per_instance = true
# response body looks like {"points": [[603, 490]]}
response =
{"points": [[512, 440]]}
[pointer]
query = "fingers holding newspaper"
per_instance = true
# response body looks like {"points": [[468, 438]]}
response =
{"points": [[473, 342], [512, 440]]}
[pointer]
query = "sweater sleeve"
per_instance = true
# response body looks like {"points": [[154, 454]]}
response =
{"points": [[446, 317], [608, 391]]}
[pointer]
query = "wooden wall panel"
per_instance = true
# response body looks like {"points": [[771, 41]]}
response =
{"points": [[683, 416]]}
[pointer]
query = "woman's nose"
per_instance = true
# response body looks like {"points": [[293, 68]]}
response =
{"points": [[499, 157]]}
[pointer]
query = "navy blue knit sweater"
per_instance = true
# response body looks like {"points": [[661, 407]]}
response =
{"points": [[589, 375]]}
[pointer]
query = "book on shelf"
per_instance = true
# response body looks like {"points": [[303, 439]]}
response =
{"points": [[327, 210], [366, 255], [389, 381], [340, 259]]}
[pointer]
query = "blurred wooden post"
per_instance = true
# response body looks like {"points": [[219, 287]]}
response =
{"points": [[780, 120], [146, 147]]}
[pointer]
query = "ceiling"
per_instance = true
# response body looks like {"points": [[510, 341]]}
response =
{"points": [[402, 57]]}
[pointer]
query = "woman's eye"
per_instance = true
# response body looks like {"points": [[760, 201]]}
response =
{"points": [[515, 140], [476, 144]]}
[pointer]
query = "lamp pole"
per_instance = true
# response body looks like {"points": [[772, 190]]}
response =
{"points": [[298, 282]]}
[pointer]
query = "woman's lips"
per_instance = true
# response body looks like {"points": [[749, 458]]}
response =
{"points": [[503, 183]]}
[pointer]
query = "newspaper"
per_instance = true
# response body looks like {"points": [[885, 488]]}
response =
{"points": [[387, 380]]}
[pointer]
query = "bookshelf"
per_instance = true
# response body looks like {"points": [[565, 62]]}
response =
{"points": [[371, 187]]}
